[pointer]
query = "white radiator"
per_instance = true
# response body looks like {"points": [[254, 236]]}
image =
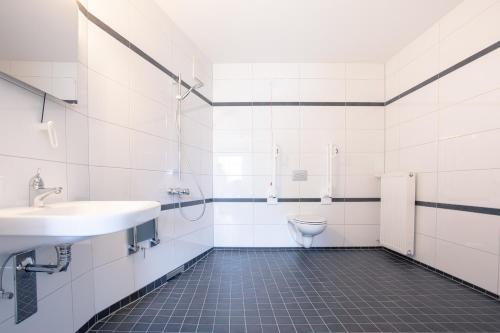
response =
{"points": [[397, 212]]}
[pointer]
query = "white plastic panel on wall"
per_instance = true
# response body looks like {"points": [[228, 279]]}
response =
{"points": [[397, 212]]}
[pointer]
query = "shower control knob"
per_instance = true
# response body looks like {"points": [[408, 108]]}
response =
{"points": [[179, 191]]}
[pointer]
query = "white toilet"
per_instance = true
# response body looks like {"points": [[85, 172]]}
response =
{"points": [[304, 227]]}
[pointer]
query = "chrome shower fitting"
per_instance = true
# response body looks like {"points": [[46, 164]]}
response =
{"points": [[179, 191]]}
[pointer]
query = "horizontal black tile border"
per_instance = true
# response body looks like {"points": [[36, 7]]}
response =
{"points": [[295, 199], [443, 274], [185, 204], [162, 68], [298, 103], [106, 28], [295, 248], [462, 208], [135, 296], [447, 71]]}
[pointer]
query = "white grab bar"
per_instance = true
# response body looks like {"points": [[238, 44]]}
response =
{"points": [[272, 192], [332, 152]]}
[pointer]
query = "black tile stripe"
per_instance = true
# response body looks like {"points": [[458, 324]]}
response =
{"points": [[447, 71], [148, 58], [106, 28], [295, 199], [462, 208], [298, 103], [165, 70]]}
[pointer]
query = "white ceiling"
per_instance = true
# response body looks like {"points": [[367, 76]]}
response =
{"points": [[303, 30]]}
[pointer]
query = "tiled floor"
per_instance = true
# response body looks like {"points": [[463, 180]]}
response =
{"points": [[307, 291]]}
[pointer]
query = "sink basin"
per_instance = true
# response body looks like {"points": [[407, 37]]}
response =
{"points": [[25, 228]]}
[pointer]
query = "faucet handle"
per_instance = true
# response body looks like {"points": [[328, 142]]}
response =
{"points": [[36, 181]]}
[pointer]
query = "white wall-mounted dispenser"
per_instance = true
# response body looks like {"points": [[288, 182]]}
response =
{"points": [[50, 128], [332, 152], [272, 195]]}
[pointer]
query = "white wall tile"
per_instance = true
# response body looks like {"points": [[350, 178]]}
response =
{"points": [[285, 90], [233, 235], [419, 131], [232, 141], [462, 14], [365, 118], [109, 282], [322, 70], [272, 236], [333, 236], [472, 116], [474, 266], [83, 300], [232, 90], [470, 187], [365, 71], [321, 117], [265, 214], [109, 144], [77, 136], [425, 220], [362, 235], [285, 117], [477, 231], [78, 182], [333, 213], [362, 213], [275, 70], [421, 158], [109, 183], [322, 90], [365, 91], [481, 32], [425, 249], [148, 151], [470, 152], [232, 71], [108, 100], [233, 213], [469, 81], [233, 186], [232, 164], [232, 118], [365, 141], [112, 58]]}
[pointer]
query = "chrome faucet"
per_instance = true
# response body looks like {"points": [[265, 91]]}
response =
{"points": [[38, 192]]}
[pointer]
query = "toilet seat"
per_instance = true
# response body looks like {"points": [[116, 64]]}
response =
{"points": [[309, 219]]}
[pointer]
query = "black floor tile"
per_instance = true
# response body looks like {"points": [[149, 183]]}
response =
{"points": [[305, 291]]}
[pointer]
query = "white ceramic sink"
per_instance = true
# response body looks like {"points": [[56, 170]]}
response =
{"points": [[25, 228]]}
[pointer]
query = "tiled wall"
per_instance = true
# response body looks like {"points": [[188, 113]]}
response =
{"points": [[118, 143], [271, 99], [448, 131]]}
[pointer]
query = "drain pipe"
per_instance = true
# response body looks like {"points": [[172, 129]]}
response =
{"points": [[63, 261]]}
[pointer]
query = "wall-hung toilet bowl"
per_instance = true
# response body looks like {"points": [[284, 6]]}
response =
{"points": [[304, 227]]}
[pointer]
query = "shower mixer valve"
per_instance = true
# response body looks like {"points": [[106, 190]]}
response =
{"points": [[179, 191]]}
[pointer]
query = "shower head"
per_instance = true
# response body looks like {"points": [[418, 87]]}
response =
{"points": [[198, 84]]}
